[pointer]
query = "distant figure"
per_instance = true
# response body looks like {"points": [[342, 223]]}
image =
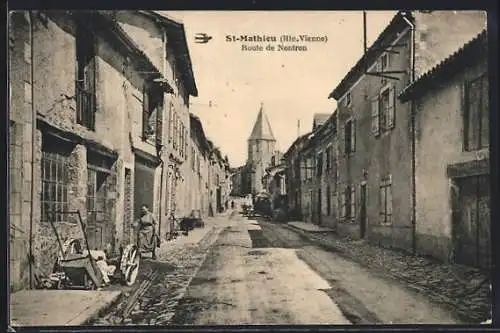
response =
{"points": [[232, 204]]}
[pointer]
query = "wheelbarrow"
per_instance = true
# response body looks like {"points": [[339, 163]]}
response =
{"points": [[77, 267]]}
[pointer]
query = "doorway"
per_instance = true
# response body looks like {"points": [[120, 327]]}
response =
{"points": [[362, 213], [472, 240]]}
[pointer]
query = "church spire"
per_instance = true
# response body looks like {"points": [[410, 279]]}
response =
{"points": [[262, 128]]}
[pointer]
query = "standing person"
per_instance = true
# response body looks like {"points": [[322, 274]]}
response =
{"points": [[147, 238]]}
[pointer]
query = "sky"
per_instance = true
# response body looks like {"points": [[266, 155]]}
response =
{"points": [[292, 85]]}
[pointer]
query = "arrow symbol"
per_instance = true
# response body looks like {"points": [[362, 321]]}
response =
{"points": [[202, 38]]}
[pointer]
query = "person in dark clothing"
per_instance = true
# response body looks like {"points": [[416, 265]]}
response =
{"points": [[147, 226]]}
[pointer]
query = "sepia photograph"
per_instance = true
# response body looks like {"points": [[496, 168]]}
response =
{"points": [[199, 168]]}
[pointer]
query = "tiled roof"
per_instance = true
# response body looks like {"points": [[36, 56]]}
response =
{"points": [[262, 128], [468, 52]]}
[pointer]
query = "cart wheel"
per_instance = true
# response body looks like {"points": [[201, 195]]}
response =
{"points": [[130, 265]]}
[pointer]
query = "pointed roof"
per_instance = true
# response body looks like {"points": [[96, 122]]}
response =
{"points": [[262, 128]]}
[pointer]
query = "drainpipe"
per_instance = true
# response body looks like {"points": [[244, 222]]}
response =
{"points": [[33, 147], [160, 147], [413, 141]]}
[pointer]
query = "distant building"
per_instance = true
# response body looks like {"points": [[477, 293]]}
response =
{"points": [[261, 147]]}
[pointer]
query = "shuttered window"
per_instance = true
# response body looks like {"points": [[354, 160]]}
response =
{"points": [[352, 202], [350, 136], [386, 201], [390, 112], [375, 117], [476, 113]]}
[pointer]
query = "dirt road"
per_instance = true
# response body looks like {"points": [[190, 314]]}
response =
{"points": [[265, 273]]}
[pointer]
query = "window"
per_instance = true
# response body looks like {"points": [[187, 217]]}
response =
{"points": [[386, 105], [319, 165], [375, 117], [335, 170], [347, 99], [384, 61], [152, 103], [348, 202], [193, 159], [386, 201], [328, 159], [85, 76], [175, 130], [54, 185], [476, 114], [171, 122], [97, 206], [350, 136]]}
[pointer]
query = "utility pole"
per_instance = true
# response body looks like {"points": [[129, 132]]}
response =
{"points": [[298, 128]]}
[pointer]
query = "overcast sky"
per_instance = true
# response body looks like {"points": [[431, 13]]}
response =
{"points": [[293, 85]]}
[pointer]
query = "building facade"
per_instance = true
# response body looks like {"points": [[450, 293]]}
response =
{"points": [[82, 143], [99, 125], [451, 107], [376, 189], [163, 40], [294, 175]]}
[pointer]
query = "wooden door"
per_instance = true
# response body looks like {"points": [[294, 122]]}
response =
{"points": [[472, 226], [362, 213]]}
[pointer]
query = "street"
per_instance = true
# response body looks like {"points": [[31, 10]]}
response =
{"points": [[258, 272]]}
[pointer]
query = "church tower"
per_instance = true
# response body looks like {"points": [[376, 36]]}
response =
{"points": [[261, 145]]}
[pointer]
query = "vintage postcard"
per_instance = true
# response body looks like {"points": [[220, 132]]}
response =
{"points": [[249, 167]]}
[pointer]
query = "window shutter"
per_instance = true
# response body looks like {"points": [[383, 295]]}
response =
{"points": [[353, 135], [342, 205], [159, 121], [378, 66], [389, 200], [145, 112], [353, 201], [375, 116], [485, 119], [391, 109]]}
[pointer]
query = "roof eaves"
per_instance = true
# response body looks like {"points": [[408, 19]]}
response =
{"points": [[183, 57], [395, 22]]}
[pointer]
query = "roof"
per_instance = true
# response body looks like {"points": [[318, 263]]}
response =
{"points": [[320, 118], [296, 142], [103, 22], [176, 34], [262, 128], [469, 52], [396, 24], [197, 128]]}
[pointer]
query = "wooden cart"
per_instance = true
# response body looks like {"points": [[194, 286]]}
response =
{"points": [[81, 268]]}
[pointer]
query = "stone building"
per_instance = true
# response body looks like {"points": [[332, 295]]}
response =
{"points": [[324, 182], [163, 40], [376, 190], [200, 163], [261, 147], [83, 98], [295, 173], [451, 107]]}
